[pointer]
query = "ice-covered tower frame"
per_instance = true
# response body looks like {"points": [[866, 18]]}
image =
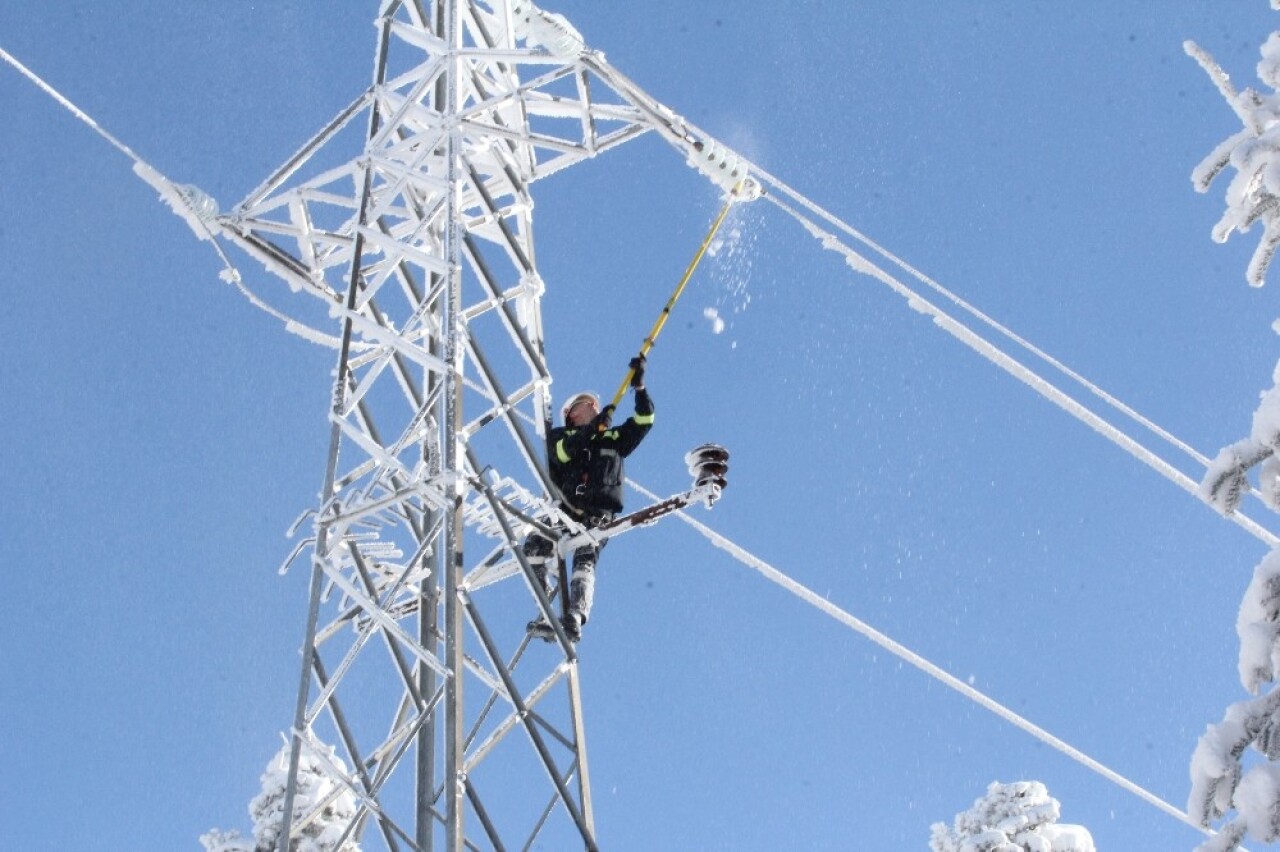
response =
{"points": [[451, 731]]}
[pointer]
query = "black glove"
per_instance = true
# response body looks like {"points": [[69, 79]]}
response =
{"points": [[637, 371], [602, 421]]}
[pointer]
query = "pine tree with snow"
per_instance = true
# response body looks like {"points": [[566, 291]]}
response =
{"points": [[323, 807], [1220, 784], [1222, 788], [1254, 193], [1018, 817]]}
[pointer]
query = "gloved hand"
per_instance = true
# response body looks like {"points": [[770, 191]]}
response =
{"points": [[602, 421], [637, 371]]}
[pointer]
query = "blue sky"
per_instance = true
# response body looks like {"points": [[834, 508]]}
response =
{"points": [[1033, 157]]}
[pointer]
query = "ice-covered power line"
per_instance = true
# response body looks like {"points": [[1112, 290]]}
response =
{"points": [[196, 208], [68, 105], [778, 578], [779, 187], [200, 213], [775, 189]]}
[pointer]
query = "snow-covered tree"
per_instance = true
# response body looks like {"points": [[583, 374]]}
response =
{"points": [[1254, 152], [1235, 773], [1018, 817], [1220, 783], [323, 807]]}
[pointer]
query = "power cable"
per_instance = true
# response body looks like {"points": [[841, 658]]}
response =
{"points": [[970, 309], [1006, 362], [962, 332], [905, 654], [181, 200]]}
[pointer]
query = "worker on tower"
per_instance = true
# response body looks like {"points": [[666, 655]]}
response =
{"points": [[585, 460]]}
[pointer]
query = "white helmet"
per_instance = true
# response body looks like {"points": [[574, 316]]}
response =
{"points": [[574, 400]]}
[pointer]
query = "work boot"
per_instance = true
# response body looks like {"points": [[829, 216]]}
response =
{"points": [[572, 623]]}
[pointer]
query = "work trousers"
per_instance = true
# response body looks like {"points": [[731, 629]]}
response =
{"points": [[540, 551]]}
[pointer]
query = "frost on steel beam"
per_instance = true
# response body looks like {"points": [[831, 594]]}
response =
{"points": [[408, 219]]}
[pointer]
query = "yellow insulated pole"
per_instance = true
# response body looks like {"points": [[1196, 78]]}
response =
{"points": [[652, 337]]}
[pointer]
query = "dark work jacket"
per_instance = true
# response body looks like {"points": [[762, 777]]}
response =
{"points": [[586, 464]]}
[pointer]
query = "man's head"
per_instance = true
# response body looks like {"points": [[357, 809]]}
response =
{"points": [[581, 409]]}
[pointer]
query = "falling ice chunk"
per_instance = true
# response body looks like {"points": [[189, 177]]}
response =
{"points": [[717, 323]]}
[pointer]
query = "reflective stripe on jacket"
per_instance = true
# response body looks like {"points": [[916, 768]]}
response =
{"points": [[587, 465]]}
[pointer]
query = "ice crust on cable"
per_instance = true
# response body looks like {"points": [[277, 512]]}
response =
{"points": [[1253, 195], [546, 29], [193, 204], [725, 167], [317, 788], [1017, 817], [854, 260]]}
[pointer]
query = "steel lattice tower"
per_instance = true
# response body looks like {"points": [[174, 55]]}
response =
{"points": [[409, 218]]}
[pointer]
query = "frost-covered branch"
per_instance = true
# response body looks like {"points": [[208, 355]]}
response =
{"points": [[1254, 193], [1219, 782], [1228, 838], [1226, 481], [1220, 79], [1258, 625], [1018, 817], [1216, 766]]}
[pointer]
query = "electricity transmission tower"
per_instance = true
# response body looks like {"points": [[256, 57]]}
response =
{"points": [[409, 218]]}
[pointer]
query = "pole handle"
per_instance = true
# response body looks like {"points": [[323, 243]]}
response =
{"points": [[652, 337]]}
